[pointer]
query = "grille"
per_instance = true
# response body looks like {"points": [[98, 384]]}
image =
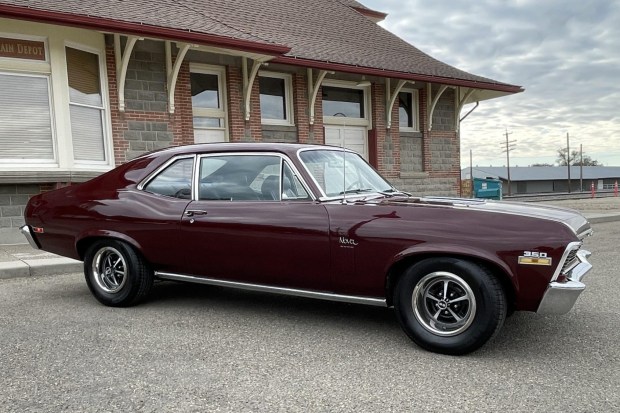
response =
{"points": [[571, 261]]}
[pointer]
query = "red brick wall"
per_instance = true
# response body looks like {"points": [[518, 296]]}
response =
{"points": [[239, 128]]}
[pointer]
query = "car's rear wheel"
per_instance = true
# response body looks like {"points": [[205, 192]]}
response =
{"points": [[116, 275], [449, 305]]}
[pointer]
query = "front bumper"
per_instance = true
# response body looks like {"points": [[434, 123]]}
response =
{"points": [[25, 229], [560, 297]]}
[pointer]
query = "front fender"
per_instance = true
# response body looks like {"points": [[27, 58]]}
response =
{"points": [[447, 249]]}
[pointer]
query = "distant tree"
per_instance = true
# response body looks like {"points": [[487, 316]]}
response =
{"points": [[574, 159], [542, 164]]}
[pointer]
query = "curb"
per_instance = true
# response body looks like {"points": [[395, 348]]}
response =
{"points": [[40, 267]]}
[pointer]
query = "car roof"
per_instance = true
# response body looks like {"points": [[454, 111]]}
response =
{"points": [[288, 148]]}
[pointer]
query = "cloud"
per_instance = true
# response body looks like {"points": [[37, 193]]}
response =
{"points": [[565, 54]]}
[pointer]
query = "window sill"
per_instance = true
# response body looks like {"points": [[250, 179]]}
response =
{"points": [[31, 177]]}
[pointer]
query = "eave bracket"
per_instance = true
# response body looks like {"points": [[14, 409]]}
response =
{"points": [[122, 62], [390, 98], [313, 91], [248, 83], [172, 71]]}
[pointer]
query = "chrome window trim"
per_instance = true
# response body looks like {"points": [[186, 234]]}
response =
{"points": [[161, 168], [283, 158], [381, 302], [570, 247]]}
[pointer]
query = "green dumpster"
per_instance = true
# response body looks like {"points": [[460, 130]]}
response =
{"points": [[487, 188]]}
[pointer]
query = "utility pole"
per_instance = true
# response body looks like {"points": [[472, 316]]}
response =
{"points": [[568, 159], [581, 167], [507, 147], [471, 175]]}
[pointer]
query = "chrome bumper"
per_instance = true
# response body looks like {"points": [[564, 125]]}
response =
{"points": [[560, 297], [25, 229]]}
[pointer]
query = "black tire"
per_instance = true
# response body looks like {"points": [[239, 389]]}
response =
{"points": [[472, 314], [116, 275]]}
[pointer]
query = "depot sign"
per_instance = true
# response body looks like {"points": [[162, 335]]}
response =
{"points": [[22, 49]]}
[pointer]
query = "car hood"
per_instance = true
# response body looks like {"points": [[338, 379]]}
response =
{"points": [[570, 217]]}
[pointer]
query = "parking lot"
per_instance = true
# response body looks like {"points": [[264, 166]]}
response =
{"points": [[199, 348]]}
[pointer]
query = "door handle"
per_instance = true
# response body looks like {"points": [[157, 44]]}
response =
{"points": [[193, 212]]}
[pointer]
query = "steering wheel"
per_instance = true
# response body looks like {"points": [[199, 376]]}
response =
{"points": [[357, 183], [183, 193]]}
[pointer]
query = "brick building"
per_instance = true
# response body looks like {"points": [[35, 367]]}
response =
{"points": [[89, 85]]}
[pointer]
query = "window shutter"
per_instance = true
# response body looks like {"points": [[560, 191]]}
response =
{"points": [[25, 118]]}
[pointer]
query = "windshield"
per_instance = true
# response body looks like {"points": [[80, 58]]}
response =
{"points": [[340, 172]]}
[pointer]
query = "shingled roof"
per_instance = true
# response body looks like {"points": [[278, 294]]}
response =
{"points": [[328, 34]]}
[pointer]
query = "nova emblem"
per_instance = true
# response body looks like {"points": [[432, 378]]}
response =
{"points": [[347, 242]]}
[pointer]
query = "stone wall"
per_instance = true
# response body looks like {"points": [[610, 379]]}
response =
{"points": [[425, 185], [146, 125], [411, 152], [13, 200], [285, 134]]}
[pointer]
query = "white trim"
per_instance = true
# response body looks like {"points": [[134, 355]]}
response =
{"points": [[56, 39], [337, 120], [106, 119], [222, 111], [289, 119], [415, 110]]}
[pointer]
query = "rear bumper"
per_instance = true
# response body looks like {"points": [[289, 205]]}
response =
{"points": [[560, 297], [25, 229]]}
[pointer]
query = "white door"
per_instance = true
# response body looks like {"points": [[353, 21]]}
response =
{"points": [[351, 137]]}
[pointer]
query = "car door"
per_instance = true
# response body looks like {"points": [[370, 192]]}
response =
{"points": [[253, 220]]}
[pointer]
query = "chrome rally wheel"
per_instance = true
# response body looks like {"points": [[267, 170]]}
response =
{"points": [[444, 303], [449, 305], [116, 273], [109, 270]]}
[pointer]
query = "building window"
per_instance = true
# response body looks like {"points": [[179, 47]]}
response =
{"points": [[408, 111], [86, 106], [26, 133], [276, 98], [54, 109], [345, 102], [208, 103]]}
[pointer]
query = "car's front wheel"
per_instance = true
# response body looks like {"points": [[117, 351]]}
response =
{"points": [[116, 275], [449, 305]]}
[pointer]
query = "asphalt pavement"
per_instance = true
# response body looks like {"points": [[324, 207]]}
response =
{"points": [[201, 348]]}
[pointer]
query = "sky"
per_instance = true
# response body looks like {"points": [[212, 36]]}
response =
{"points": [[564, 53]]}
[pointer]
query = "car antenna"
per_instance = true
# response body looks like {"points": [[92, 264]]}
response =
{"points": [[344, 161], [344, 154]]}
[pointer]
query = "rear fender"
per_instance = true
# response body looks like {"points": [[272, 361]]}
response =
{"points": [[82, 239]]}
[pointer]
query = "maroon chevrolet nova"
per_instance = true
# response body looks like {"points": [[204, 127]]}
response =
{"points": [[314, 221]]}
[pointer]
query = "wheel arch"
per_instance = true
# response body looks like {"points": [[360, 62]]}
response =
{"points": [[87, 239], [501, 272]]}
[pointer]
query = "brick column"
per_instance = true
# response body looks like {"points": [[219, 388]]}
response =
{"points": [[240, 129]]}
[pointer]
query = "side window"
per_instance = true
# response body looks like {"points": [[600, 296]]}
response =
{"points": [[292, 189], [174, 181], [239, 178], [248, 178]]}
